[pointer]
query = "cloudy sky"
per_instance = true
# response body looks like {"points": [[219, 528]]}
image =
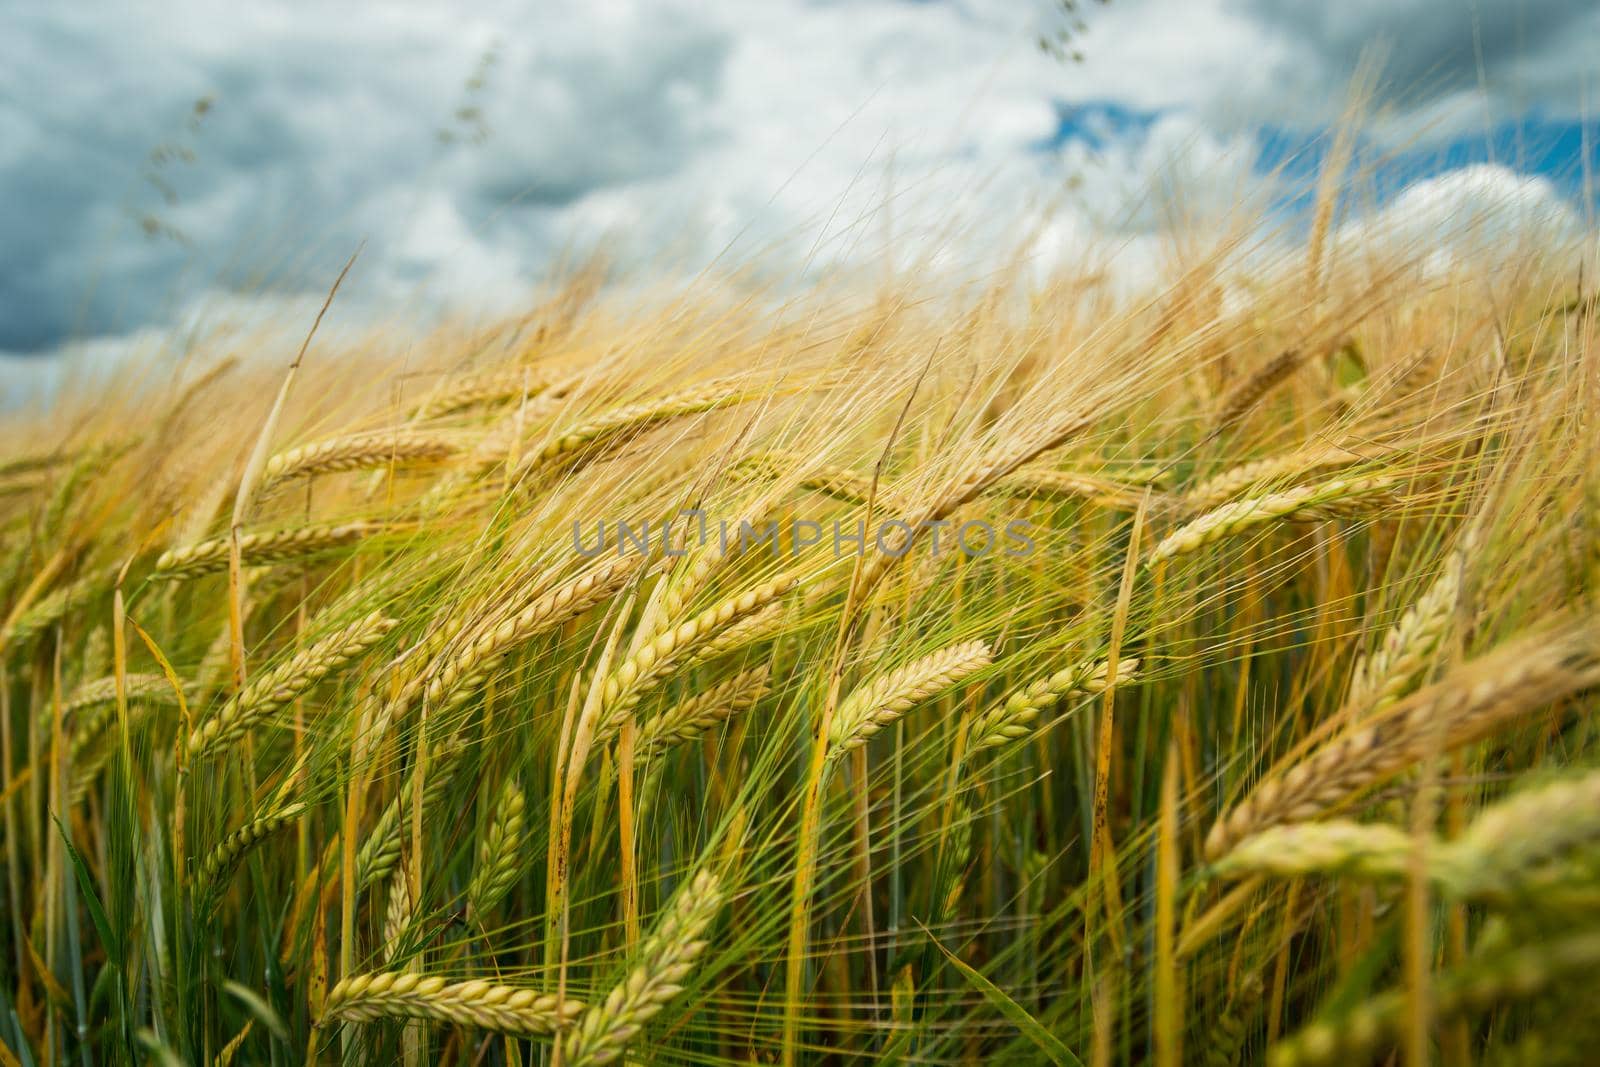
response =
{"points": [[159, 159]]}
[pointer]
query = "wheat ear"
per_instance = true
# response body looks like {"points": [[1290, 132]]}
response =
{"points": [[1332, 848], [1327, 500], [1393, 668], [381, 849], [1045, 483], [477, 1003], [51, 608], [454, 681], [151, 687], [887, 697], [1242, 398], [1014, 718], [1504, 846], [740, 635], [664, 961], [969, 484], [256, 549], [1227, 1037], [500, 852], [221, 861], [483, 390], [1522, 833], [1236, 481], [1480, 984], [653, 662], [689, 719], [279, 687], [828, 479], [1470, 703], [573, 446], [355, 452], [397, 913]]}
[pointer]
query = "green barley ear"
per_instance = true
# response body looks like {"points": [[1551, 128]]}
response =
{"points": [[221, 861], [500, 853], [663, 962], [694, 716], [1492, 978], [1524, 833], [1013, 718]]}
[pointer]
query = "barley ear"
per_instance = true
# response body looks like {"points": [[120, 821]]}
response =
{"points": [[663, 962]]}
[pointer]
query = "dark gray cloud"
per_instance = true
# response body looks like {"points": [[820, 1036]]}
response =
{"points": [[470, 146], [1522, 53], [144, 159]]}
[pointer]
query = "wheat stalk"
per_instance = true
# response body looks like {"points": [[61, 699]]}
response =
{"points": [[224, 1058], [884, 699], [477, 1003], [664, 960]]}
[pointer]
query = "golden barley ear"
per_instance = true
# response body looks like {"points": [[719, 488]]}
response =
{"points": [[258, 549], [366, 998], [884, 699], [281, 685], [1472, 702], [355, 452], [1338, 498]]}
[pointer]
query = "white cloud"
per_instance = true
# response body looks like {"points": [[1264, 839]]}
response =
{"points": [[1466, 210]]}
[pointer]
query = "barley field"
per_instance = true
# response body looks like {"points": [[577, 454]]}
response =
{"points": [[1202, 672]]}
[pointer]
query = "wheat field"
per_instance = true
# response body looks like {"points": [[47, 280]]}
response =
{"points": [[1015, 673]]}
